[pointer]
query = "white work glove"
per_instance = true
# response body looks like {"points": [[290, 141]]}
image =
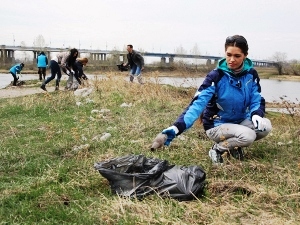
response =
{"points": [[259, 123]]}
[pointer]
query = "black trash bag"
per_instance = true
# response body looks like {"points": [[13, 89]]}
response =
{"points": [[132, 175], [122, 68], [182, 183], [138, 176], [19, 83]]}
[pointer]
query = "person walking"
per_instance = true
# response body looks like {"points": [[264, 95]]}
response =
{"points": [[64, 61], [14, 70], [42, 63], [229, 103], [75, 79], [136, 62]]}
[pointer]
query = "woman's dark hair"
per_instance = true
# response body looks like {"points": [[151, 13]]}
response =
{"points": [[22, 65], [237, 41], [71, 59]]}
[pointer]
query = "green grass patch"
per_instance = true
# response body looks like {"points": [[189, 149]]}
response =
{"points": [[43, 180]]}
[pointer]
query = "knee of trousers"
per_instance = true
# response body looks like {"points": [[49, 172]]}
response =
{"points": [[248, 137]]}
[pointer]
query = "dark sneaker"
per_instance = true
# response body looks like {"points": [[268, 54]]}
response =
{"points": [[56, 88], [237, 153], [216, 156], [43, 87]]}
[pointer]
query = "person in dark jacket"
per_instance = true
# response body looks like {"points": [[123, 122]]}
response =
{"points": [[76, 78], [64, 61], [136, 62], [42, 63], [16, 69], [229, 103]]}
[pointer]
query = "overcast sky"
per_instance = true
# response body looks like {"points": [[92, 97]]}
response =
{"points": [[155, 25]]}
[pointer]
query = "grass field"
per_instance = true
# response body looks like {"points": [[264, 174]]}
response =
{"points": [[44, 179]]}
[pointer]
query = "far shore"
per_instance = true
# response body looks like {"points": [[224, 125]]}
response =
{"points": [[174, 74]]}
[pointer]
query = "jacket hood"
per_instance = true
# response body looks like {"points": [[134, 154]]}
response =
{"points": [[222, 64]]}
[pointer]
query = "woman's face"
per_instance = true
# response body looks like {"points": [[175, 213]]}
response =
{"points": [[75, 54], [234, 57]]}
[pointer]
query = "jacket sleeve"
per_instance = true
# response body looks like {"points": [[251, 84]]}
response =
{"points": [[64, 60], [197, 105], [140, 58], [18, 69], [257, 106]]}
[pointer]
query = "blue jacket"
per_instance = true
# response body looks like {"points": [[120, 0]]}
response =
{"points": [[42, 61], [224, 98], [16, 69]]}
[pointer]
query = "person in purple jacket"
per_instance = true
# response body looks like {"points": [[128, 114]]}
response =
{"points": [[229, 103], [16, 69]]}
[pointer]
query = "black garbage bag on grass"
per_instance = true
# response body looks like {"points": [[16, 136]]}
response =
{"points": [[138, 176], [122, 68]]}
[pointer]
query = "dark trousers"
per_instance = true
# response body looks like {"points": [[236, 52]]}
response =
{"points": [[42, 71], [55, 69], [15, 79]]}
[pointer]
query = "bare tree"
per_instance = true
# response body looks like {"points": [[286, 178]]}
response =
{"points": [[39, 42], [294, 66], [280, 59], [180, 50], [24, 53], [195, 51]]}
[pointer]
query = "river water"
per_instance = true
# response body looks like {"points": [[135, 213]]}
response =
{"points": [[272, 90]]}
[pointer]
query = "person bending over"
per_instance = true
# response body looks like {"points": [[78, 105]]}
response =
{"points": [[16, 69], [64, 61], [136, 62]]}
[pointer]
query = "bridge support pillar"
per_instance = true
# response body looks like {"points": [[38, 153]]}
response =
{"points": [[3, 55], [208, 62], [48, 56], [8, 56], [171, 60], [163, 60], [35, 55], [124, 57]]}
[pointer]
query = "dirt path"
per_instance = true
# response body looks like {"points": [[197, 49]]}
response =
{"points": [[12, 92]]}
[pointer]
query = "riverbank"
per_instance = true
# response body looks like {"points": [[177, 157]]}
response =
{"points": [[32, 87]]}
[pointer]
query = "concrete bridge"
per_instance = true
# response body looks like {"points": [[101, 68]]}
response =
{"points": [[7, 55]]}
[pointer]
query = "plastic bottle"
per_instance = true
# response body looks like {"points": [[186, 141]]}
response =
{"points": [[158, 141], [105, 136]]}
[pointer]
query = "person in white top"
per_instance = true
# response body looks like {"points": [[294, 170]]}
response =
{"points": [[65, 60]]}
